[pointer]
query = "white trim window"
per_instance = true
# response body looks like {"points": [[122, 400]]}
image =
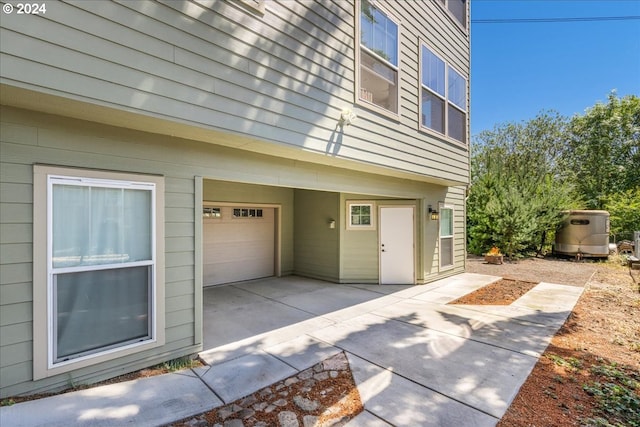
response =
{"points": [[101, 264], [378, 58], [443, 108], [361, 216], [457, 9], [446, 236]]}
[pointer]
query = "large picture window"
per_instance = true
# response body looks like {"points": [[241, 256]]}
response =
{"points": [[102, 285], [378, 55], [101, 264], [444, 97]]}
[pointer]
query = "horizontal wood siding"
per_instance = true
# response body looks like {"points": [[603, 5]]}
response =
{"points": [[56, 140], [64, 144], [215, 90], [454, 196], [281, 77], [316, 245]]}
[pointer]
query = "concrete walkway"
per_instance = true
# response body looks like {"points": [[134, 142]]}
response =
{"points": [[416, 361]]}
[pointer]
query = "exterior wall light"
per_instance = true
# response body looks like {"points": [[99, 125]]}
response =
{"points": [[347, 117], [433, 213], [332, 223]]}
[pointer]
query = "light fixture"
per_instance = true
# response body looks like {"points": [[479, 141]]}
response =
{"points": [[332, 223], [433, 213], [347, 117]]}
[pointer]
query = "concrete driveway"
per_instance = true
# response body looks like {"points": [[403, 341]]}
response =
{"points": [[415, 359]]}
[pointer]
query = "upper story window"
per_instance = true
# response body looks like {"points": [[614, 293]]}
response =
{"points": [[444, 97], [378, 57], [457, 8]]}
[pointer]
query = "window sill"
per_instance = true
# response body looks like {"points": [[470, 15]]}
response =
{"points": [[446, 268], [82, 362], [443, 137], [374, 108]]}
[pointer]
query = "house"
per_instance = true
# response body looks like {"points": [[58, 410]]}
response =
{"points": [[150, 149]]}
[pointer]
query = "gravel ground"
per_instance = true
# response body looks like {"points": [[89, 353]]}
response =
{"points": [[550, 270]]}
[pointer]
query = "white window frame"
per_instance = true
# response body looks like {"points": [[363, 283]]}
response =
{"points": [[45, 177], [441, 208], [359, 99], [446, 98], [445, 4], [366, 227]]}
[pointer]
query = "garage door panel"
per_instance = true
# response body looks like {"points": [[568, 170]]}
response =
{"points": [[245, 251], [238, 249]]}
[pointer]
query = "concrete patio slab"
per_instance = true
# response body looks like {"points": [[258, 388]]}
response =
{"points": [[483, 376], [367, 419], [242, 376], [279, 287], [362, 308], [416, 361], [552, 319], [402, 402], [520, 334], [464, 281], [302, 352], [550, 297], [382, 289], [223, 297], [330, 299], [261, 341], [451, 288], [222, 326], [398, 291], [144, 402]]}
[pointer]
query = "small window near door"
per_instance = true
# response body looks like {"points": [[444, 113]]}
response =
{"points": [[360, 216], [446, 236]]}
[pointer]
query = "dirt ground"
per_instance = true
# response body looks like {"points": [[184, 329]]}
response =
{"points": [[590, 373]]}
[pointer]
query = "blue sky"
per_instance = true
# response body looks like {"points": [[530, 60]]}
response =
{"points": [[518, 70]]}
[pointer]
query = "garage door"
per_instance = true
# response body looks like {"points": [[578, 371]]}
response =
{"points": [[238, 243]]}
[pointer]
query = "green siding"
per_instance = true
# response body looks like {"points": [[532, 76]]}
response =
{"points": [[250, 103], [317, 245], [280, 79]]}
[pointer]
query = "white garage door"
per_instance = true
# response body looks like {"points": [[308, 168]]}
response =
{"points": [[238, 244]]}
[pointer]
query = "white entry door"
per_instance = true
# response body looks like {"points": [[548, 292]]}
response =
{"points": [[396, 245]]}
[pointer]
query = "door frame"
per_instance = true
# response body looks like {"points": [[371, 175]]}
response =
{"points": [[414, 231]]}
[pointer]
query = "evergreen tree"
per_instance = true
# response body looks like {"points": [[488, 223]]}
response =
{"points": [[518, 190]]}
